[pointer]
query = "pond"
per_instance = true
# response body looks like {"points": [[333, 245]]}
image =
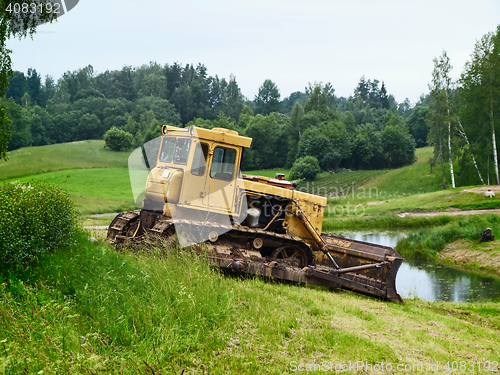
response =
{"points": [[429, 280]]}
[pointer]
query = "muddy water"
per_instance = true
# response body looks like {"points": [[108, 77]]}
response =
{"points": [[429, 280]]}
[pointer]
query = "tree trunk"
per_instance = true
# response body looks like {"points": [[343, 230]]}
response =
{"points": [[441, 158], [497, 182], [462, 133], [449, 150]]}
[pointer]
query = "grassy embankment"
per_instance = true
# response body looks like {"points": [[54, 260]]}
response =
{"points": [[97, 179], [89, 309]]}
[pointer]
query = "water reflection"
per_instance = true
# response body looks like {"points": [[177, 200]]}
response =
{"points": [[430, 281]]}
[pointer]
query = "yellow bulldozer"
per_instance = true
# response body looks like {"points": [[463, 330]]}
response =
{"points": [[191, 190]]}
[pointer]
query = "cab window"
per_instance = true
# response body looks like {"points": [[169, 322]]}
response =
{"points": [[175, 150], [200, 159], [223, 164]]}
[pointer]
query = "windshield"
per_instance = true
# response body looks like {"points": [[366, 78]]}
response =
{"points": [[175, 150]]}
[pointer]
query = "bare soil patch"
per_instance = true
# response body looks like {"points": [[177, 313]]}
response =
{"points": [[461, 252]]}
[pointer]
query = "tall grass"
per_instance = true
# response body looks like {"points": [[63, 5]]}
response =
{"points": [[103, 310], [385, 220]]}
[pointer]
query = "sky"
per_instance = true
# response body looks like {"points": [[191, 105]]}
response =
{"points": [[290, 42]]}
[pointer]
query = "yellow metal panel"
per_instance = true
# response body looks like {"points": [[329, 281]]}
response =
{"points": [[221, 135], [301, 196]]}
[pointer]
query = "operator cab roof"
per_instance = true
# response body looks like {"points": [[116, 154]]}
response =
{"points": [[221, 135]]}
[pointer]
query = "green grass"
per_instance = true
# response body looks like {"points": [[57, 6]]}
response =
{"points": [[93, 190], [428, 242], [76, 155], [338, 184], [409, 180], [89, 309]]}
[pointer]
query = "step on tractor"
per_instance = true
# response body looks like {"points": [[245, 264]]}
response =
{"points": [[191, 191]]}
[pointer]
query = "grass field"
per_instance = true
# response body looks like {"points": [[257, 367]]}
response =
{"points": [[90, 309], [98, 182], [76, 155], [93, 190], [409, 180]]}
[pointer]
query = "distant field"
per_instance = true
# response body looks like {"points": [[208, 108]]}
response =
{"points": [[97, 190], [338, 184], [76, 155], [412, 179]]}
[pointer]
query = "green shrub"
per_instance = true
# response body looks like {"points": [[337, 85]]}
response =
{"points": [[34, 217], [117, 140], [305, 168]]}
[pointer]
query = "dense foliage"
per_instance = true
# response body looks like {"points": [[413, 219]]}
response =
{"points": [[339, 132], [34, 217], [117, 140], [305, 168]]}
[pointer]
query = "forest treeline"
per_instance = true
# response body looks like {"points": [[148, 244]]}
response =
{"points": [[368, 130]]}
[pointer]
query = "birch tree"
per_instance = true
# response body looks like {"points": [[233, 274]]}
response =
{"points": [[480, 91], [439, 117]]}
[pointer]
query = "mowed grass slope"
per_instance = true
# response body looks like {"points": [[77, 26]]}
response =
{"points": [[90, 309], [75, 155], [412, 179], [93, 190]]}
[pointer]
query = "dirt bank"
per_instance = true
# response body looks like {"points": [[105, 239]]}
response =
{"points": [[484, 257]]}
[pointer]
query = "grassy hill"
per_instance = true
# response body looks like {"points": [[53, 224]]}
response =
{"points": [[412, 179], [75, 155]]}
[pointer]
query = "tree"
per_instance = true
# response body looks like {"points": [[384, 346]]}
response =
{"points": [[480, 92], [14, 24], [295, 97], [118, 140], [384, 98], [34, 82], [294, 133], [305, 168], [417, 125], [314, 143], [21, 135], [268, 98], [269, 146], [398, 145], [440, 111], [362, 89], [318, 100], [18, 85]]}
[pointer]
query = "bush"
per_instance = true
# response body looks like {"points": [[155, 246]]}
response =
{"points": [[34, 217], [305, 168], [116, 139]]}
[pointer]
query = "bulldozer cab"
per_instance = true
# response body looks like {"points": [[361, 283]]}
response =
{"points": [[210, 163]]}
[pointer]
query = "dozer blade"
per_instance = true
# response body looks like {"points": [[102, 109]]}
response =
{"points": [[364, 267]]}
